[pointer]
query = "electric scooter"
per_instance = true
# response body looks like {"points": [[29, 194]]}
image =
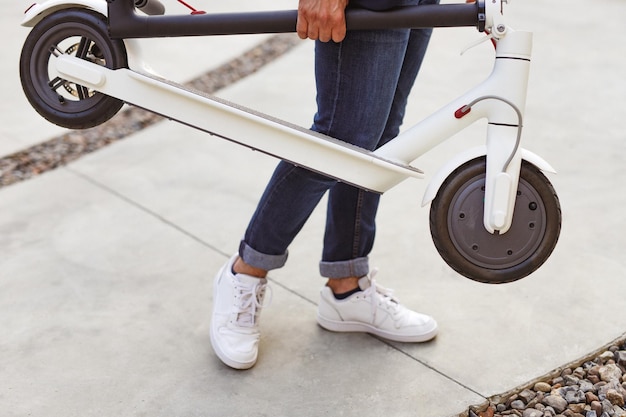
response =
{"points": [[494, 216]]}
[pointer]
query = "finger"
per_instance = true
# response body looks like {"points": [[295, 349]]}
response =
{"points": [[302, 28], [339, 33], [325, 35], [312, 33]]}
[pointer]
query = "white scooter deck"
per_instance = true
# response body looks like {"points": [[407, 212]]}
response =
{"points": [[238, 124]]}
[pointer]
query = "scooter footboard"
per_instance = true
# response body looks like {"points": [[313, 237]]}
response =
{"points": [[240, 125]]}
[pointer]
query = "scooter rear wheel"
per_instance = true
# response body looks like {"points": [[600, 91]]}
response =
{"points": [[82, 33], [456, 223]]}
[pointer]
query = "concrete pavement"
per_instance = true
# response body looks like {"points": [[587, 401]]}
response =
{"points": [[106, 264]]}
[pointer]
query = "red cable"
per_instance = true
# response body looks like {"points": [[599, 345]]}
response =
{"points": [[193, 11]]}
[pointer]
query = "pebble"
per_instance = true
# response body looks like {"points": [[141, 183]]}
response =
{"points": [[597, 407], [527, 396], [610, 372], [518, 405], [577, 408], [549, 412], [615, 397], [575, 397], [586, 386], [590, 397], [531, 412], [542, 387], [557, 402], [594, 379], [579, 372], [571, 380]]}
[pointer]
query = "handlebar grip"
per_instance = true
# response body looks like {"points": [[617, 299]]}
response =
{"points": [[150, 7]]}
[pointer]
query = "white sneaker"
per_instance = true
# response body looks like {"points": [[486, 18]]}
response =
{"points": [[374, 310], [237, 303]]}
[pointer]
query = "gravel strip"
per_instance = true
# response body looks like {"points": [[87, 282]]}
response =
{"points": [[70, 146], [594, 386]]}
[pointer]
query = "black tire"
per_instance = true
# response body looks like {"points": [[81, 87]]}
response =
{"points": [[82, 33], [456, 224]]}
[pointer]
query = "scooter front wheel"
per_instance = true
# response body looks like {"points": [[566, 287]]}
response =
{"points": [[456, 223], [84, 34]]}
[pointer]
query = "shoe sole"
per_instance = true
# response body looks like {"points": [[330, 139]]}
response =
{"points": [[225, 359], [357, 327]]}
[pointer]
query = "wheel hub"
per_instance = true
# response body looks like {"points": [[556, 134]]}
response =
{"points": [[496, 251]]}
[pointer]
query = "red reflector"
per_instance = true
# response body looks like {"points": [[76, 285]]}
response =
{"points": [[462, 112]]}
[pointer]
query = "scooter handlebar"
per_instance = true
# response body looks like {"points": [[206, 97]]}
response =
{"points": [[124, 23]]}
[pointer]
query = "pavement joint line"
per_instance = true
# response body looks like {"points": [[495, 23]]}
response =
{"points": [[143, 208], [443, 374], [70, 146]]}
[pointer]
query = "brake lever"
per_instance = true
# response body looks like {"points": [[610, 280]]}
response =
{"points": [[479, 41]]}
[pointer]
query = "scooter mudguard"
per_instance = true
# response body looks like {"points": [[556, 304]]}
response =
{"points": [[37, 11], [440, 176]]}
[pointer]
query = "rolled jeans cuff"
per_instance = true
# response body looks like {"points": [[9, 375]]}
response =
{"points": [[345, 269], [261, 260]]}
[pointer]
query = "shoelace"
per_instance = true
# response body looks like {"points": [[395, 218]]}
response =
{"points": [[385, 297], [250, 302]]}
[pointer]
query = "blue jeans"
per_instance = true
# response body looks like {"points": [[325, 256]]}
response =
{"points": [[362, 89]]}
